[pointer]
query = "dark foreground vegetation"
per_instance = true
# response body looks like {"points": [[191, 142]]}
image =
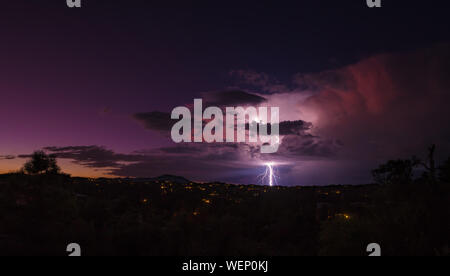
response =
{"points": [[407, 212]]}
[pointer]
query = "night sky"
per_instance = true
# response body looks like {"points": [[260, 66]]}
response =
{"points": [[96, 85]]}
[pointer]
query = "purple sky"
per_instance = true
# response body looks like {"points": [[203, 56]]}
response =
{"points": [[87, 86]]}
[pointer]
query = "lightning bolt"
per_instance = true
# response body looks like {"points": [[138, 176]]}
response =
{"points": [[269, 175]]}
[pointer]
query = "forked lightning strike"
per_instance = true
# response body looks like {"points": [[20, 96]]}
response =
{"points": [[269, 175]]}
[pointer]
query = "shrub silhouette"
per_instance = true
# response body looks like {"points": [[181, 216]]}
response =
{"points": [[41, 163]]}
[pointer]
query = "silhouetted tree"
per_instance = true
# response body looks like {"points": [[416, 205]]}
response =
{"points": [[444, 172], [41, 163], [430, 166], [396, 171]]}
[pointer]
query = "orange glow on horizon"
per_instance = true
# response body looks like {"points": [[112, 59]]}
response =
{"points": [[67, 166]]}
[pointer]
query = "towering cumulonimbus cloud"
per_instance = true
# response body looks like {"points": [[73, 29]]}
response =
{"points": [[389, 104]]}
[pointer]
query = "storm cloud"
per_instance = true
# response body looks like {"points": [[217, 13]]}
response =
{"points": [[155, 120], [232, 98]]}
